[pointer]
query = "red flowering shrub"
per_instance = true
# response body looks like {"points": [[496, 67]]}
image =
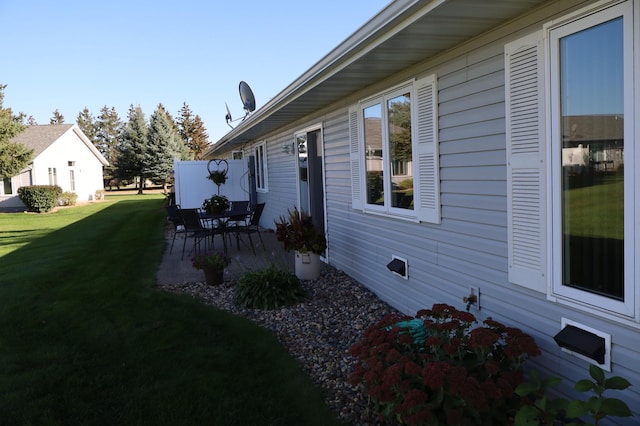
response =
{"points": [[438, 368]]}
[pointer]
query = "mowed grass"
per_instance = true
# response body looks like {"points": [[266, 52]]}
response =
{"points": [[86, 339]]}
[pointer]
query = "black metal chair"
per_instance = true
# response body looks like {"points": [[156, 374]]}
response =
{"points": [[194, 229], [251, 227], [173, 216]]}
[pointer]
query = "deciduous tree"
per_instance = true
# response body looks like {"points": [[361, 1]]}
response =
{"points": [[13, 156]]}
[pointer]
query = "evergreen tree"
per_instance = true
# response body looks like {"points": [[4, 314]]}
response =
{"points": [[163, 147], [57, 118], [107, 135], [192, 131], [13, 156], [87, 124], [133, 147]]}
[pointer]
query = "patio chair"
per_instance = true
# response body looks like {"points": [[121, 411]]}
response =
{"points": [[238, 214], [173, 216], [195, 229], [251, 227]]}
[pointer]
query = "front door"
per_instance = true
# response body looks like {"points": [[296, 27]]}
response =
{"points": [[309, 150]]}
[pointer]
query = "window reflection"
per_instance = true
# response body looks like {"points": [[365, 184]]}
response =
{"points": [[591, 91], [400, 153], [373, 154]]}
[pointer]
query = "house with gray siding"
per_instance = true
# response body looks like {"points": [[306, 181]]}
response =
{"points": [[481, 144]]}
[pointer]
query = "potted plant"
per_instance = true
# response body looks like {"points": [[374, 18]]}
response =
{"points": [[215, 204], [297, 232], [219, 177], [213, 264]]}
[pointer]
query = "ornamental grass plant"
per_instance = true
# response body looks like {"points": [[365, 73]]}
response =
{"points": [[87, 339], [439, 369]]}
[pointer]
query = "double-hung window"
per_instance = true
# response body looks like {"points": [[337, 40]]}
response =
{"points": [[581, 208], [394, 155], [260, 166]]}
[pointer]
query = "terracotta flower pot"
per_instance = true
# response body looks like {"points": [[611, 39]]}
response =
{"points": [[213, 276]]}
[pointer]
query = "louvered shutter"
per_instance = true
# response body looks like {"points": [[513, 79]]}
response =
{"points": [[355, 159], [525, 115], [427, 170]]}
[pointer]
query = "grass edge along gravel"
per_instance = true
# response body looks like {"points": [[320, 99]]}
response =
{"points": [[87, 339]]}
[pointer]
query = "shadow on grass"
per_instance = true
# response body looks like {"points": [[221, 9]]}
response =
{"points": [[86, 339]]}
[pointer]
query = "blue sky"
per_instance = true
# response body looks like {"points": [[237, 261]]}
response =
{"points": [[72, 54]]}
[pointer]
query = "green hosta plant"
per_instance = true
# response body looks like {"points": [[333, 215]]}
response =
{"points": [[269, 288]]}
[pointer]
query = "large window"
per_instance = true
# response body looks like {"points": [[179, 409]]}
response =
{"points": [[572, 197], [260, 154], [589, 140], [388, 150], [392, 135]]}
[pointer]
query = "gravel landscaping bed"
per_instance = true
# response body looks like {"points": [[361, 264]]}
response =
{"points": [[317, 332]]}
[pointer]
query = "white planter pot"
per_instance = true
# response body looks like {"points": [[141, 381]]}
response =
{"points": [[307, 265]]}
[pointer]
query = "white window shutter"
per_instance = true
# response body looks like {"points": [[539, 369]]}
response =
{"points": [[525, 133], [355, 159], [427, 170]]}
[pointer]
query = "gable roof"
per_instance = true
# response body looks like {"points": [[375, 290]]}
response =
{"points": [[404, 33], [41, 137]]}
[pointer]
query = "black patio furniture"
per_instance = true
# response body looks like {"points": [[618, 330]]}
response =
{"points": [[252, 226]]}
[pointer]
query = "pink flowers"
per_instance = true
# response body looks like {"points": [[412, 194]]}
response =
{"points": [[442, 368]]}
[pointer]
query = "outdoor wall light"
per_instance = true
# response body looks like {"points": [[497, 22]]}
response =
{"points": [[580, 341], [287, 148]]}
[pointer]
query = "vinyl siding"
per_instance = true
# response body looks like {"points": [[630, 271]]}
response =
{"points": [[469, 246]]}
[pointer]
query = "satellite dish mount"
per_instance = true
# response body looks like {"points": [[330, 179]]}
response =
{"points": [[248, 103]]}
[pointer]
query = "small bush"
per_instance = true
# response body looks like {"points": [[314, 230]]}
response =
{"points": [[437, 369], [40, 198], [269, 288], [68, 199], [99, 195]]}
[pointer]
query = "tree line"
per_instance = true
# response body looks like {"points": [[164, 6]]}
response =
{"points": [[136, 149]]}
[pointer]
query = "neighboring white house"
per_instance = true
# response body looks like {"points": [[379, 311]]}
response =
{"points": [[498, 91], [63, 156]]}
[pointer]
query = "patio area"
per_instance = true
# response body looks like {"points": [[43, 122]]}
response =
{"points": [[175, 269]]}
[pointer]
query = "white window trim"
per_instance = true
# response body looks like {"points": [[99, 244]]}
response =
{"points": [[624, 308], [265, 169], [535, 264], [426, 178]]}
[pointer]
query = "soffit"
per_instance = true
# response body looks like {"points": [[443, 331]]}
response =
{"points": [[416, 31]]}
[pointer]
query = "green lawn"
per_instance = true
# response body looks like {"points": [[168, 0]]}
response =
{"points": [[86, 339]]}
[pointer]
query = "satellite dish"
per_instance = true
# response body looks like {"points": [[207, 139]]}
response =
{"points": [[248, 102]]}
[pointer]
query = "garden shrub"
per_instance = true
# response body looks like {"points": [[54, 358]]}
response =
{"points": [[68, 199], [269, 288], [438, 369], [39, 198]]}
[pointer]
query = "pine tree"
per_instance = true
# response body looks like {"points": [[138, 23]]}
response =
{"points": [[13, 156], [133, 147], [192, 131], [57, 118], [163, 147], [108, 128], [87, 124]]}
